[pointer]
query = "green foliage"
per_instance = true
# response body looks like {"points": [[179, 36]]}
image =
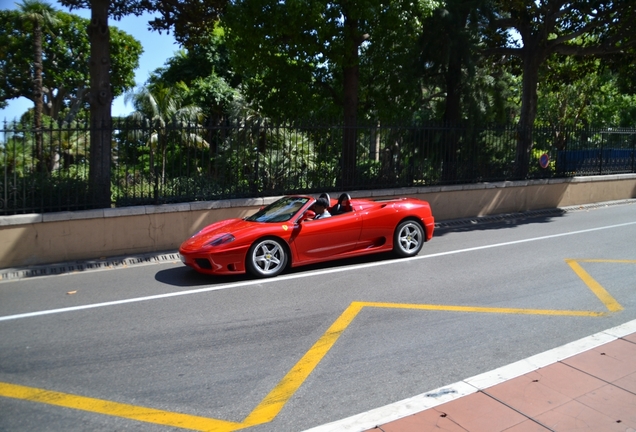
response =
{"points": [[390, 64], [17, 154], [190, 21], [66, 51], [206, 72], [292, 55], [162, 118], [582, 91], [116, 8], [268, 60], [64, 183], [65, 148], [12, 52], [269, 158], [451, 68]]}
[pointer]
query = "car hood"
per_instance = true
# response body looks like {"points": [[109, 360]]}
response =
{"points": [[236, 227]]}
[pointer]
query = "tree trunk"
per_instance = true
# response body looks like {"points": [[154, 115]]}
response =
{"points": [[452, 115], [53, 103], [100, 105], [452, 111], [37, 97], [531, 63], [351, 83]]}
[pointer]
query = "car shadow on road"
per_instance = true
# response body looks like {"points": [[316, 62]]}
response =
{"points": [[497, 222], [187, 277], [184, 276]]}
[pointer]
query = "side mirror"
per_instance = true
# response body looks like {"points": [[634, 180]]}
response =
{"points": [[309, 215]]}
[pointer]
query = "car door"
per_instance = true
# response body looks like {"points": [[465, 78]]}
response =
{"points": [[379, 221], [318, 240]]}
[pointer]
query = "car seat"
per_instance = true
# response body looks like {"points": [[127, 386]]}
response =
{"points": [[326, 196], [343, 205]]}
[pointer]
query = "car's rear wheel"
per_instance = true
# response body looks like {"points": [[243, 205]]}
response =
{"points": [[266, 258], [408, 238]]}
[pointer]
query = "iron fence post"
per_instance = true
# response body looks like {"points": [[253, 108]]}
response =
{"points": [[633, 149], [600, 159], [255, 181]]}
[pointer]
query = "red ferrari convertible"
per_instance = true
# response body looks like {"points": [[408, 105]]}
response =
{"points": [[285, 233]]}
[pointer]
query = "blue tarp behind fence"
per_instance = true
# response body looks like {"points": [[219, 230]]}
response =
{"points": [[596, 161]]}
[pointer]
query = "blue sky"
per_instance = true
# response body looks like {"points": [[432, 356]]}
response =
{"points": [[157, 49]]}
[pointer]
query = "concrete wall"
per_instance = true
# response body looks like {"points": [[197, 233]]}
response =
{"points": [[92, 234]]}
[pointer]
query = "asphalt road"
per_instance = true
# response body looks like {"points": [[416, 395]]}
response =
{"points": [[150, 347]]}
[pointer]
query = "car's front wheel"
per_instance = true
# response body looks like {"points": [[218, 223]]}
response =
{"points": [[408, 238], [266, 258]]}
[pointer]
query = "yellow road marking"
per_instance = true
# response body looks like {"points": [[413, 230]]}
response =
{"points": [[487, 309], [101, 406], [284, 390], [610, 303], [274, 402]]}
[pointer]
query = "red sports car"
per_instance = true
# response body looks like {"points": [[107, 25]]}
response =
{"points": [[285, 233]]}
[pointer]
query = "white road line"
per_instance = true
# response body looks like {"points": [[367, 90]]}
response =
{"points": [[298, 275]]}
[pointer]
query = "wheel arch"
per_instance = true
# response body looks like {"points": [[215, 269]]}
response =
{"points": [[414, 219]]}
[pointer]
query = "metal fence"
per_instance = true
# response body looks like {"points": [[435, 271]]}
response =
{"points": [[47, 170]]}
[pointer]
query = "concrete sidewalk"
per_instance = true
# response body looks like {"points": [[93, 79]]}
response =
{"points": [[587, 385]]}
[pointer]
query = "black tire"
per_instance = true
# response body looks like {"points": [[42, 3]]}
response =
{"points": [[266, 258], [408, 238]]}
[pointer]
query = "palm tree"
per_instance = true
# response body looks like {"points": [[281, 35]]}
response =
{"points": [[38, 15], [159, 108]]}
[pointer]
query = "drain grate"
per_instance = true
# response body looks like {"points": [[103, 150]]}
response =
{"points": [[84, 266]]}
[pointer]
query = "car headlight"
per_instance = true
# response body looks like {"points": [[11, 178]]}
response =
{"points": [[221, 240]]}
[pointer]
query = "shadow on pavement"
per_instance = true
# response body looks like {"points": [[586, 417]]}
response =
{"points": [[184, 276], [187, 277], [496, 222]]}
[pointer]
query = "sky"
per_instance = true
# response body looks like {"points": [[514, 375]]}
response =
{"points": [[157, 49]]}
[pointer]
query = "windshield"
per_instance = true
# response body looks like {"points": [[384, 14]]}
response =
{"points": [[279, 211]]}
